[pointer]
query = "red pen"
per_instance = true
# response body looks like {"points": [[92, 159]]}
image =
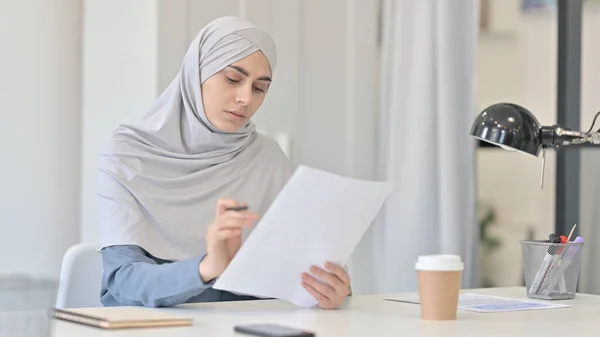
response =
{"points": [[563, 239]]}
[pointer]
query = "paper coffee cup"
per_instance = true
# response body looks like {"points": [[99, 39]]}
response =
{"points": [[439, 285]]}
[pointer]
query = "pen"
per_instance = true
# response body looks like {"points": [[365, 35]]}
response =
{"points": [[563, 264], [546, 264], [571, 233], [549, 274], [562, 285], [572, 251], [238, 208]]}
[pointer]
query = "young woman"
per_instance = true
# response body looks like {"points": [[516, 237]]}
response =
{"points": [[167, 184]]}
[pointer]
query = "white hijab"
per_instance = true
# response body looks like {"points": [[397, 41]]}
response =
{"points": [[159, 179]]}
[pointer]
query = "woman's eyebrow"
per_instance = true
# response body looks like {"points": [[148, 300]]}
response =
{"points": [[246, 73]]}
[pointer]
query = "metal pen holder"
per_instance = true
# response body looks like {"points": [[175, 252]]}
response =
{"points": [[551, 269], [24, 305]]}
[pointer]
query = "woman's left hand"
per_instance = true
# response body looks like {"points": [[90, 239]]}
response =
{"points": [[334, 287]]}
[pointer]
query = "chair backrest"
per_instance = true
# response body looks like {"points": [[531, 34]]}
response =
{"points": [[80, 277]]}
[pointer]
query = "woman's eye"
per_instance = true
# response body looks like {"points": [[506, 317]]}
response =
{"points": [[231, 80], [258, 89]]}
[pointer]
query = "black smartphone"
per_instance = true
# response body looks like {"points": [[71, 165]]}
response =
{"points": [[272, 330]]}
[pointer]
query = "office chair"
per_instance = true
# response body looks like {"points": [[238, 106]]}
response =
{"points": [[80, 277]]}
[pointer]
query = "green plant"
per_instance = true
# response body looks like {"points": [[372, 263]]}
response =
{"points": [[486, 219], [488, 244]]}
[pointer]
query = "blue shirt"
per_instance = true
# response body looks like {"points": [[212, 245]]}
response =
{"points": [[133, 277]]}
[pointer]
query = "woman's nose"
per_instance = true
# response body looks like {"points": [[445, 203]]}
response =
{"points": [[243, 96]]}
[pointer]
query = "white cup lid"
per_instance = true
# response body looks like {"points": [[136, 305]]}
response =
{"points": [[439, 262]]}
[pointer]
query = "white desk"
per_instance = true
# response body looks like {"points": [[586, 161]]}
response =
{"points": [[371, 316]]}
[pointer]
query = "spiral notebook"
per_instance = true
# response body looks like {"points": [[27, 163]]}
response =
{"points": [[120, 317]]}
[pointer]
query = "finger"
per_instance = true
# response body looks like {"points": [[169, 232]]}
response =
{"points": [[339, 271], [228, 233], [235, 219], [325, 289], [235, 223], [323, 302], [240, 215], [333, 280], [313, 292]]}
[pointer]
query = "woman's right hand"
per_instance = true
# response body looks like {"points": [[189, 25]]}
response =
{"points": [[224, 238]]}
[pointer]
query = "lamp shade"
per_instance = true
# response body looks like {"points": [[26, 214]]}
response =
{"points": [[510, 126]]}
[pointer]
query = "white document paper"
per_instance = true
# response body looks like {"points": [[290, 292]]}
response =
{"points": [[487, 303], [317, 217]]}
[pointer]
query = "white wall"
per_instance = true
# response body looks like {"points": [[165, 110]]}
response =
{"points": [[173, 39], [39, 133], [120, 81]]}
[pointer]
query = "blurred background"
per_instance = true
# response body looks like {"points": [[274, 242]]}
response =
{"points": [[369, 89]]}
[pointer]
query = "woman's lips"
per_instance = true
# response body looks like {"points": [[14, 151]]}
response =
{"points": [[235, 115]]}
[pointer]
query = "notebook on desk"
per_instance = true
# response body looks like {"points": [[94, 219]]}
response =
{"points": [[120, 317]]}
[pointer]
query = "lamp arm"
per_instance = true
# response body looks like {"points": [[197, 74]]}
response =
{"points": [[556, 136]]}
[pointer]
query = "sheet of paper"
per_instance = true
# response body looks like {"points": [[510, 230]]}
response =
{"points": [[317, 217], [487, 303]]}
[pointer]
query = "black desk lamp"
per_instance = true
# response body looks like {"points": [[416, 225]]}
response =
{"points": [[515, 128]]}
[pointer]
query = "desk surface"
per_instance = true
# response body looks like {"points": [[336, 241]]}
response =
{"points": [[371, 316]]}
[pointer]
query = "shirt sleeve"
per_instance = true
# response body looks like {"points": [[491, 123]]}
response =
{"points": [[133, 277]]}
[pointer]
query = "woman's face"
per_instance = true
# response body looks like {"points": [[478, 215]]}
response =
{"points": [[232, 96]]}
